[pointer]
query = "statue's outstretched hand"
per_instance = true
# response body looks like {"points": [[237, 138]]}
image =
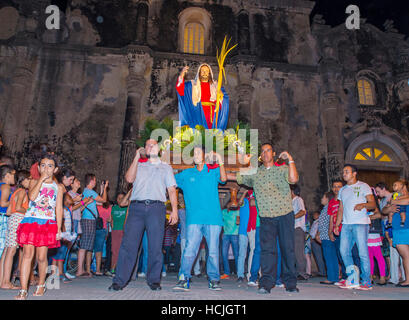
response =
{"points": [[184, 71]]}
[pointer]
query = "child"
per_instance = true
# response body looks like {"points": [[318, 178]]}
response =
{"points": [[41, 227], [6, 179], [67, 236], [16, 211], [397, 186], [230, 236], [328, 246]]}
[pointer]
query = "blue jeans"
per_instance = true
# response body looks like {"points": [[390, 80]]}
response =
{"points": [[194, 235], [234, 241], [356, 234], [255, 264], [331, 260], [243, 244], [145, 255]]}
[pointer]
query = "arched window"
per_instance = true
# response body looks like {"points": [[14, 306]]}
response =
{"points": [[372, 154], [365, 92], [194, 31], [193, 38]]}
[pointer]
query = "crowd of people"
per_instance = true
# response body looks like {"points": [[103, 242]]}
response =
{"points": [[168, 221]]}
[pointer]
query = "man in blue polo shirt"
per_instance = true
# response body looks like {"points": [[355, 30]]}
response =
{"points": [[203, 216]]}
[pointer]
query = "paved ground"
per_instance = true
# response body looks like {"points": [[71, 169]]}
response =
{"points": [[96, 289]]}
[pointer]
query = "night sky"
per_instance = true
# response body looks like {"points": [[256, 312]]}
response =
{"points": [[375, 11]]}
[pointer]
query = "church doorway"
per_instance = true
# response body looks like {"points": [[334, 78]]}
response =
{"points": [[378, 159], [372, 177]]}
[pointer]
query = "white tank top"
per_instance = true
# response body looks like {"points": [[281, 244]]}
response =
{"points": [[43, 207]]}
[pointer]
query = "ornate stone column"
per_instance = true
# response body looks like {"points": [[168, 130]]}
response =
{"points": [[136, 85], [335, 149], [244, 91]]}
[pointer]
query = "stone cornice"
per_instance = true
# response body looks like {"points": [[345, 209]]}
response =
{"points": [[119, 55]]}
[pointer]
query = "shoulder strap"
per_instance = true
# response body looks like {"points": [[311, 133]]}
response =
{"points": [[91, 212]]}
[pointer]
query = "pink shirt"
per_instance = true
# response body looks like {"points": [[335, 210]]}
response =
{"points": [[105, 214]]}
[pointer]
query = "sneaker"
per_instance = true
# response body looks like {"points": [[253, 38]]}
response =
{"points": [[69, 275], [281, 285], [349, 286], [252, 284], [163, 274], [141, 275], [263, 291], [365, 287], [182, 285], [340, 283], [214, 285], [224, 276]]}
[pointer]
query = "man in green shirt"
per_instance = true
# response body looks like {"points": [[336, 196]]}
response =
{"points": [[272, 191]]}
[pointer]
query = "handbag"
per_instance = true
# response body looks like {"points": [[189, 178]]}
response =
{"points": [[99, 221]]}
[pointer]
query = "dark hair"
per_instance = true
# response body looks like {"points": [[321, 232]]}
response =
{"points": [[88, 178], [269, 144], [65, 172], [329, 195], [6, 160], [106, 204], [4, 170], [296, 189], [49, 156], [381, 185], [337, 181], [21, 175], [353, 167]]}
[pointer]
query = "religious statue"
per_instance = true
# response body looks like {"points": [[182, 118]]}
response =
{"points": [[197, 100]]}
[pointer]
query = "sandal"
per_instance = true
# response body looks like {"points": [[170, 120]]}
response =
{"points": [[22, 295], [36, 294]]}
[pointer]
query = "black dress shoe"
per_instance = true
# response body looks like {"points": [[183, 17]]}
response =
{"points": [[114, 287], [155, 286], [327, 282], [292, 289], [399, 285], [301, 278]]}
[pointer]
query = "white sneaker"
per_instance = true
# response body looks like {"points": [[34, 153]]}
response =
{"points": [[280, 285], [69, 275], [252, 284], [163, 274], [141, 275]]}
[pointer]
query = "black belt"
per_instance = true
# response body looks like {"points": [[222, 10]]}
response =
{"points": [[146, 202]]}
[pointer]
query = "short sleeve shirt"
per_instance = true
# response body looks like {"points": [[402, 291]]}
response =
{"points": [[230, 226], [200, 190], [88, 193], [351, 195], [118, 215], [323, 224], [272, 190], [333, 207], [298, 205], [152, 180]]}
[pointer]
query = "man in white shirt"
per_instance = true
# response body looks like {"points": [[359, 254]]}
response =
{"points": [[299, 233], [356, 199]]}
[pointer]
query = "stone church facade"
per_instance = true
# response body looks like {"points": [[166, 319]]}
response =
{"points": [[326, 94]]}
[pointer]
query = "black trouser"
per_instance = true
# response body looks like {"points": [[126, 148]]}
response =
{"points": [[270, 228], [141, 216], [107, 264]]}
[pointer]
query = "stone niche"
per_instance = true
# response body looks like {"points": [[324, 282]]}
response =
{"points": [[81, 30], [9, 19]]}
